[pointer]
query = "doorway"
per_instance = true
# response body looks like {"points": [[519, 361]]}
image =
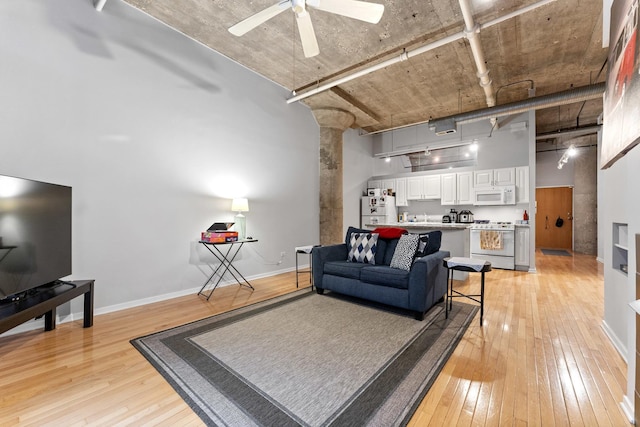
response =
{"points": [[554, 218]]}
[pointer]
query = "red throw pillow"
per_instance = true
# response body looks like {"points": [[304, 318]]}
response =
{"points": [[390, 232]]}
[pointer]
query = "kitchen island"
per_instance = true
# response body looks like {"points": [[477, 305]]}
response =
{"points": [[455, 237]]}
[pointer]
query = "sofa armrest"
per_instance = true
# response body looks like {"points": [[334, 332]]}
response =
{"points": [[427, 281], [322, 254]]}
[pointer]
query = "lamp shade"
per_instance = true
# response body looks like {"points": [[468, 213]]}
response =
{"points": [[240, 205]]}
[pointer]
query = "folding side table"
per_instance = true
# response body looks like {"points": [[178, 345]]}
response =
{"points": [[226, 263]]}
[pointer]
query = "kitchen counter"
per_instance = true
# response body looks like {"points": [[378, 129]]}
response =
{"points": [[424, 225], [455, 237]]}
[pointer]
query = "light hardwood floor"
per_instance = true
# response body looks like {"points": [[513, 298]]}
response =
{"points": [[540, 359]]}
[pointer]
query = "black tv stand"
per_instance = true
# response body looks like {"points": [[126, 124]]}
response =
{"points": [[44, 302]]}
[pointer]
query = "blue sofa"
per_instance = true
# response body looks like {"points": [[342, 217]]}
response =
{"points": [[416, 290]]}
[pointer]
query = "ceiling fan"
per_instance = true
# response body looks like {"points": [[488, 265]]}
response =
{"points": [[364, 11]]}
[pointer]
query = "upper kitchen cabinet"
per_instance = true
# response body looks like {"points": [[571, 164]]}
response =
{"points": [[457, 188], [522, 184], [465, 188], [388, 184], [423, 187], [494, 177], [401, 192]]}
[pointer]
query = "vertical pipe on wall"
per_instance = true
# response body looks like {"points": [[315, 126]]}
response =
{"points": [[99, 4]]}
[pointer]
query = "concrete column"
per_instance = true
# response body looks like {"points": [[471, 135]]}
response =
{"points": [[333, 123], [585, 215]]}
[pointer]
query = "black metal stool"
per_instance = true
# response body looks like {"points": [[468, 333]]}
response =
{"points": [[471, 265]]}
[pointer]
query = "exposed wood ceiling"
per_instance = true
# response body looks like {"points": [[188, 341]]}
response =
{"points": [[555, 47]]}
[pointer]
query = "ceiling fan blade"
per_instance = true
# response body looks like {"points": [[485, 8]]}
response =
{"points": [[253, 21], [307, 35], [362, 10]]}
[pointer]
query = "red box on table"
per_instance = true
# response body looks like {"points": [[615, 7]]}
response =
{"points": [[219, 236]]}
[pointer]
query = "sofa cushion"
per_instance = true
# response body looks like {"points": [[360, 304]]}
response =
{"points": [[429, 243], [405, 252], [385, 276], [363, 248], [350, 270], [389, 247]]}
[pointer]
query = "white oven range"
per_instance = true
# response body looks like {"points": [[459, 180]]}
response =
{"points": [[494, 242]]}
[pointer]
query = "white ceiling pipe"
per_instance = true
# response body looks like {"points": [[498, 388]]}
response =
{"points": [[99, 4], [402, 57], [472, 30], [408, 54]]}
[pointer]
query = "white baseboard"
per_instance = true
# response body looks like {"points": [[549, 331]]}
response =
{"points": [[39, 323], [622, 349], [627, 408], [600, 260]]}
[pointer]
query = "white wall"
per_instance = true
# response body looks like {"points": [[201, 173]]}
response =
{"points": [[621, 202], [548, 174], [155, 133]]}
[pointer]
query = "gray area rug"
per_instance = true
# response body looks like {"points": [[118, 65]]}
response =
{"points": [[307, 359], [557, 252]]}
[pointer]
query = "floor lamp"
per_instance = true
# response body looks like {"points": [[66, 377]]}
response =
{"points": [[240, 205]]}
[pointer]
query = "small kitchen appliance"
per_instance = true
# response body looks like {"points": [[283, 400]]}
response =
{"points": [[465, 217], [495, 196], [453, 214], [446, 219]]}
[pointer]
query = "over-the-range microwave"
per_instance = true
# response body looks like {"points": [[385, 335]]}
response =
{"points": [[493, 196]]}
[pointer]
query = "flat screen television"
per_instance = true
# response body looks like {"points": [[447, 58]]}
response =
{"points": [[35, 234]]}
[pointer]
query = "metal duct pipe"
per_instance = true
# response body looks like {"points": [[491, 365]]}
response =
{"points": [[408, 54], [582, 93]]}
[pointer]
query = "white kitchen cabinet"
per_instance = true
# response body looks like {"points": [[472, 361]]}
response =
{"points": [[522, 184], [432, 187], [505, 176], [522, 248], [387, 184], [494, 177], [464, 190], [483, 178], [423, 187], [415, 186], [449, 189], [401, 192], [457, 188]]}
